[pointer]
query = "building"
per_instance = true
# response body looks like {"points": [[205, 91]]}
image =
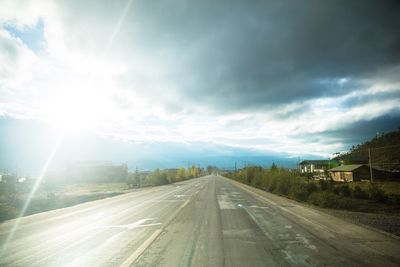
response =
{"points": [[316, 166], [353, 172]]}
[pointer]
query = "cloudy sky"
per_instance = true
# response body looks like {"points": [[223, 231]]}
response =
{"points": [[272, 77]]}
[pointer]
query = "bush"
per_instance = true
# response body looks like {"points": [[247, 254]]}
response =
{"points": [[7, 212], [376, 193], [257, 181], [325, 199], [272, 185], [359, 193], [394, 199], [325, 185], [344, 190], [284, 185], [302, 191], [336, 190], [159, 178]]}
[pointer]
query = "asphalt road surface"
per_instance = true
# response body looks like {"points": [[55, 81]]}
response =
{"points": [[208, 221]]}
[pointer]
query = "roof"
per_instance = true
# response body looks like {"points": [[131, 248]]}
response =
{"points": [[317, 162], [347, 168]]}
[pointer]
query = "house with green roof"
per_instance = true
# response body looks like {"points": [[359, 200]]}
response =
{"points": [[317, 166]]}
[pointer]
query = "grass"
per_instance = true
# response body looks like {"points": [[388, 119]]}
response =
{"points": [[387, 186], [379, 197], [87, 188], [59, 197]]}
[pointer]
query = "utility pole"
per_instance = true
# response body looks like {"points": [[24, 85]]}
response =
{"points": [[370, 164], [298, 165], [235, 167]]}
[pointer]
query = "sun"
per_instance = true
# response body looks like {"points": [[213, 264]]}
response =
{"points": [[78, 110]]}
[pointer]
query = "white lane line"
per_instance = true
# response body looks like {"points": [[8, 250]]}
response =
{"points": [[92, 225], [225, 203], [95, 204], [138, 252], [258, 207], [85, 259], [315, 224], [140, 223], [132, 258]]}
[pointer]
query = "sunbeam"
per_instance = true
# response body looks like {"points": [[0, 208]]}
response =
{"points": [[118, 26], [33, 191]]}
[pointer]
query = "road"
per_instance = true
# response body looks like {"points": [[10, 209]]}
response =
{"points": [[208, 221]]}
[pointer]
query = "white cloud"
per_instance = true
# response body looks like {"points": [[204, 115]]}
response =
{"points": [[95, 77]]}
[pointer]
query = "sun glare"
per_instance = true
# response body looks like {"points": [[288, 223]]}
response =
{"points": [[78, 110]]}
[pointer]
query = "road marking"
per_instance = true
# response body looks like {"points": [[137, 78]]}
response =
{"points": [[305, 242], [168, 200], [132, 258], [138, 252], [258, 207], [75, 209], [140, 223], [315, 224], [91, 225], [224, 203]]}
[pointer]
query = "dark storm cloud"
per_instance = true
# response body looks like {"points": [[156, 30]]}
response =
{"points": [[249, 54], [252, 54], [361, 131], [297, 76], [359, 100]]}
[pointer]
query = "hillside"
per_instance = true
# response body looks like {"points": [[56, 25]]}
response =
{"points": [[385, 151]]}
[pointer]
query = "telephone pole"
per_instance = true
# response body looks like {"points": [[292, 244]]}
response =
{"points": [[370, 164]]}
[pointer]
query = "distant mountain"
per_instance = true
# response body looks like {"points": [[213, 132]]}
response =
{"points": [[384, 149], [26, 145]]}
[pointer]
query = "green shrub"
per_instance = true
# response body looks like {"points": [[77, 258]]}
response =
{"points": [[272, 185], [394, 199], [376, 193], [359, 193], [325, 185], [284, 185], [336, 190], [159, 177], [257, 181], [302, 191], [325, 199], [344, 190], [7, 212]]}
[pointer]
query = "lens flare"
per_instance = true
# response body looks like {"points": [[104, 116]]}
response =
{"points": [[32, 193]]}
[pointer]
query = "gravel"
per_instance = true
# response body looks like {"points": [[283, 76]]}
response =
{"points": [[386, 222]]}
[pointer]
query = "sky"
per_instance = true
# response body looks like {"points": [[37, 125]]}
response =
{"points": [[175, 80]]}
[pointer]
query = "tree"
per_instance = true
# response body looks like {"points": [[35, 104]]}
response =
{"points": [[10, 182], [194, 171], [211, 169], [274, 167], [181, 174], [136, 178], [159, 177]]}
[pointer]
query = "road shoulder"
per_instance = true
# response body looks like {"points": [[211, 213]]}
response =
{"points": [[328, 227]]}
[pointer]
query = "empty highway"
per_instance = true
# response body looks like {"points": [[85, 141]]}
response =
{"points": [[208, 221]]}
